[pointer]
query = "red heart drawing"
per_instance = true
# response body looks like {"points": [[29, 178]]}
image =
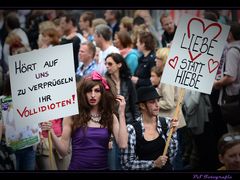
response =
{"points": [[212, 65], [173, 62], [193, 58]]}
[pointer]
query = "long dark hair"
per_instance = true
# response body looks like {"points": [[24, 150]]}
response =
{"points": [[124, 71], [106, 105]]}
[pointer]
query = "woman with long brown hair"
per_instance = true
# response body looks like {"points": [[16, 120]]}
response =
{"points": [[90, 130]]}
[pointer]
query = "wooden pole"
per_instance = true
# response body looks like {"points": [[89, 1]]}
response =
{"points": [[176, 116], [50, 150]]}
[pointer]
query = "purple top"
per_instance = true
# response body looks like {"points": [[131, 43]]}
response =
{"points": [[90, 149]]}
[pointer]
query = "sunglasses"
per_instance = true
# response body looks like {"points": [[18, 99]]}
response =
{"points": [[231, 138], [109, 63], [228, 140]]}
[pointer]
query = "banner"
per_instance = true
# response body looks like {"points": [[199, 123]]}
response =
{"points": [[43, 85]]}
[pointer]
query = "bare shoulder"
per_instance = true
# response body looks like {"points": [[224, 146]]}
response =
{"points": [[68, 121], [67, 127]]}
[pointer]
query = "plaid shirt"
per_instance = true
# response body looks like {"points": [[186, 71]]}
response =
{"points": [[87, 70], [129, 159]]}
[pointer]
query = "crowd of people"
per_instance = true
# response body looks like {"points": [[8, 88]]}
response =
{"points": [[126, 115]]}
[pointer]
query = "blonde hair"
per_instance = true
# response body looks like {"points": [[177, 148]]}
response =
{"points": [[163, 53], [46, 25], [16, 45], [127, 22], [98, 21], [13, 38], [142, 13]]}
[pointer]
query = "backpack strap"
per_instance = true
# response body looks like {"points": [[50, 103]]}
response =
{"points": [[235, 47], [138, 130], [164, 126]]}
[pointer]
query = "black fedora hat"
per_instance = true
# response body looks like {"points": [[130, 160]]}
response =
{"points": [[146, 93]]}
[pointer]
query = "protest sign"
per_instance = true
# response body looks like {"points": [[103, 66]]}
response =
{"points": [[195, 54], [194, 58], [17, 138], [43, 84]]}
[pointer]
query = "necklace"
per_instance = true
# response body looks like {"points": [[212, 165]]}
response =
{"points": [[95, 118], [95, 115]]}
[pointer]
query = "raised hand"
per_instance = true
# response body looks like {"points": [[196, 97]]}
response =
{"points": [[122, 104]]}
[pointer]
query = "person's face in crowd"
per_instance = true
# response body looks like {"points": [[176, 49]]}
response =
{"points": [[46, 40], [152, 107], [231, 158], [155, 80], [145, 14], [168, 24], [117, 42], [94, 95], [84, 53], [122, 28], [51, 14], [97, 40], [64, 25], [83, 25], [159, 62], [112, 66], [108, 15]]}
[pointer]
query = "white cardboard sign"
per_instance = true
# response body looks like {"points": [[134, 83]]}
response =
{"points": [[195, 54], [43, 84]]}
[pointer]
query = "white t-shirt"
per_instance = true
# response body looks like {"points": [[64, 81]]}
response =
{"points": [[101, 68]]}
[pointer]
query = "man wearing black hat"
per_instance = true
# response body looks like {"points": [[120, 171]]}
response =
{"points": [[147, 136]]}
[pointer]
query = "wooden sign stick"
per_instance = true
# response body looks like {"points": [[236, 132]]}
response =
{"points": [[176, 116], [50, 150]]}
